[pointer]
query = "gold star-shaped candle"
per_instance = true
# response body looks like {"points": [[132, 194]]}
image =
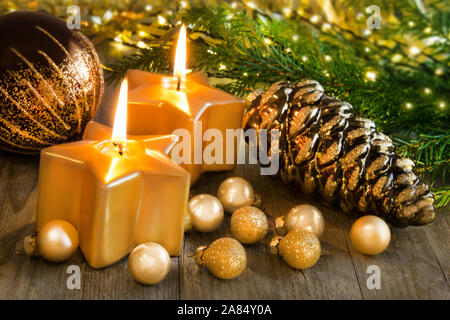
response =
{"points": [[117, 191], [186, 106]]}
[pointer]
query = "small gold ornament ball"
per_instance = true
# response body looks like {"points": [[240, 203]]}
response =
{"points": [[225, 258], [57, 241], [370, 235], [305, 217], [149, 263], [235, 193], [300, 249], [205, 212], [249, 224]]}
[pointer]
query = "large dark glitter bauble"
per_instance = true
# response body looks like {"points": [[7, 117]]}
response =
{"points": [[51, 82], [327, 149]]}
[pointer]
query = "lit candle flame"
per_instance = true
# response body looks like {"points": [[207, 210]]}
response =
{"points": [[180, 57], [119, 134]]}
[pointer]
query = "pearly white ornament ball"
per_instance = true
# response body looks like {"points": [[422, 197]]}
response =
{"points": [[205, 212], [370, 235], [305, 217], [149, 263], [235, 193], [57, 241]]}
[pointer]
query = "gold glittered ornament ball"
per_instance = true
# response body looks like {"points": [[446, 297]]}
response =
{"points": [[51, 82], [225, 258], [205, 212], [299, 249], [234, 193], [249, 224], [149, 263], [370, 235], [301, 217], [57, 241]]}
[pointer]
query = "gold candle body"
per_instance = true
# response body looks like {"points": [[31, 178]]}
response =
{"points": [[155, 106], [114, 201]]}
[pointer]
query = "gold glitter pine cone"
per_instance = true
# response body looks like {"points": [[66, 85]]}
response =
{"points": [[327, 149]]}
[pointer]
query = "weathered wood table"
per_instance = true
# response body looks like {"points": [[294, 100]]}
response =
{"points": [[415, 266]]}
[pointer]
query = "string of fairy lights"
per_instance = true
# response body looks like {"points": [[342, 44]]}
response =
{"points": [[371, 75], [142, 26]]}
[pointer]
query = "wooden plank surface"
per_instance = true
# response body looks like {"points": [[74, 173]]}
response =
{"points": [[415, 266]]}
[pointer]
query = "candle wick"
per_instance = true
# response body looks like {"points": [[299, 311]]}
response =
{"points": [[120, 146], [178, 83]]}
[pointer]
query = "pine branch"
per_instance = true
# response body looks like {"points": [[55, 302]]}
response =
{"points": [[430, 153], [331, 59], [155, 59], [442, 196]]}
